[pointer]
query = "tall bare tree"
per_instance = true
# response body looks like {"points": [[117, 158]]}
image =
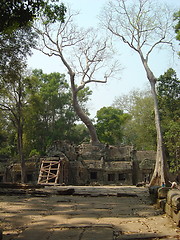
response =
{"points": [[143, 26], [82, 52]]}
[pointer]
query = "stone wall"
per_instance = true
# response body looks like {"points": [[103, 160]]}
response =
{"points": [[144, 163], [104, 164], [99, 164]]}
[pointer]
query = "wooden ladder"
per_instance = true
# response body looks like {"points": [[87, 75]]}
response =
{"points": [[49, 171]]}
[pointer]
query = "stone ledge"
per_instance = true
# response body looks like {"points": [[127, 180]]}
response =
{"points": [[172, 207], [171, 194], [162, 192], [176, 202], [168, 200], [161, 203], [174, 215]]}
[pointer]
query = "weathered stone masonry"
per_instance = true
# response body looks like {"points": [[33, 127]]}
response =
{"points": [[93, 165]]}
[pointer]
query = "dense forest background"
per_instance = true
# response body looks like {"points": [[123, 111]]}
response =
{"points": [[47, 115]]}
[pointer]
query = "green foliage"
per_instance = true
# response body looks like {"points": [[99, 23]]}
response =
{"points": [[12, 102], [42, 104], [4, 148], [20, 13], [79, 134], [169, 101], [17, 13], [34, 153], [168, 94], [49, 101], [139, 130], [177, 27], [172, 142], [54, 12], [14, 49], [109, 125], [50, 116], [8, 144]]}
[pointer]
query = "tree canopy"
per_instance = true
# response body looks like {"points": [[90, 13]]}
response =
{"points": [[169, 101], [39, 106], [109, 125], [177, 26], [14, 49], [19, 13], [168, 88], [139, 130]]}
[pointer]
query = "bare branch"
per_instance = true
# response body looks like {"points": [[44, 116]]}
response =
{"points": [[157, 43], [138, 25]]}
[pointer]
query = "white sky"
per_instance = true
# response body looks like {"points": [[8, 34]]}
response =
{"points": [[131, 77]]}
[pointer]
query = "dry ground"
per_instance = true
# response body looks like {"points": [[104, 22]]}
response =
{"points": [[93, 217]]}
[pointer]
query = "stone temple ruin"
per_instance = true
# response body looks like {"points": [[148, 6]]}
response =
{"points": [[86, 165]]}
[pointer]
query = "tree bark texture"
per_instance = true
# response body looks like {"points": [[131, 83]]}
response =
{"points": [[160, 175], [84, 118], [20, 134], [21, 155]]}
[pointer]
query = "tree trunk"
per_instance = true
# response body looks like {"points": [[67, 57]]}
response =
{"points": [[21, 155], [160, 176], [20, 133], [84, 118], [160, 172]]}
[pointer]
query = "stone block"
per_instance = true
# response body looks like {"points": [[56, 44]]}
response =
{"points": [[161, 204], [171, 194], [176, 218], [172, 207], [168, 210], [162, 192], [176, 203], [154, 190]]}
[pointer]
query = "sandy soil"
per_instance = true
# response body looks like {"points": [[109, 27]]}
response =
{"points": [[84, 218]]}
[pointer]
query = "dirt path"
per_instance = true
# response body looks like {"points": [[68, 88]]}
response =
{"points": [[94, 217]]}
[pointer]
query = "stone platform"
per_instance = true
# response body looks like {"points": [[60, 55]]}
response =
{"points": [[88, 213]]}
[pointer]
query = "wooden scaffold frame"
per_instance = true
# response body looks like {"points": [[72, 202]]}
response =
{"points": [[50, 171]]}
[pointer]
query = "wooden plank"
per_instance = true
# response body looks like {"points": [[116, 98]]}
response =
{"points": [[58, 173], [49, 171]]}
